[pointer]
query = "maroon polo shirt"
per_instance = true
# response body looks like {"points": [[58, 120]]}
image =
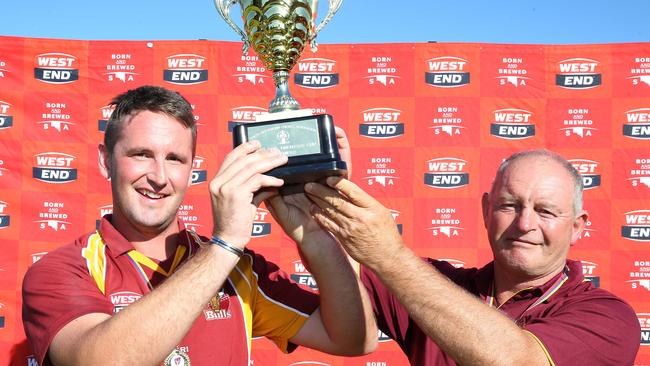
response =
{"points": [[578, 325]]}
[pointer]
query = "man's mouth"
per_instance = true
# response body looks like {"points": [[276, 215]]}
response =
{"points": [[150, 194]]}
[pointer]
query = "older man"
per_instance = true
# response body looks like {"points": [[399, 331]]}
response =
{"points": [[529, 306]]}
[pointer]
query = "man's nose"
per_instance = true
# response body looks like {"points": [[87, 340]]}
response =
{"points": [[525, 220], [157, 172]]}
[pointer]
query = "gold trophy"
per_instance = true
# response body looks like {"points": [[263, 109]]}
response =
{"points": [[278, 31]]}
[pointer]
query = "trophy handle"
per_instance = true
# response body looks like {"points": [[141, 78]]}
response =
{"points": [[334, 6], [223, 7]]}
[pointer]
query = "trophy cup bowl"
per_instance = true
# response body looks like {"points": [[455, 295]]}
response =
{"points": [[278, 31]]}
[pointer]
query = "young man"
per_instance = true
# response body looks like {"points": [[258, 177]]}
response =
{"points": [[530, 306], [190, 300]]}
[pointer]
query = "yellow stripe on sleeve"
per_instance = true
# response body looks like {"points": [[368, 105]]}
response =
{"points": [[95, 254], [548, 355]]}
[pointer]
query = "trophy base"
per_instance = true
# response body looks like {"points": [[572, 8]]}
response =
{"points": [[309, 141], [296, 176]]}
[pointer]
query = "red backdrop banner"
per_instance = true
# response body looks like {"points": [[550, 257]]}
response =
{"points": [[428, 123]]}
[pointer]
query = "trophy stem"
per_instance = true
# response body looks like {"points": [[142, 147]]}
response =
{"points": [[283, 100]]}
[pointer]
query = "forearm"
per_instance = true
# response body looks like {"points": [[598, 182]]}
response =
{"points": [[345, 308], [148, 330], [465, 328]]}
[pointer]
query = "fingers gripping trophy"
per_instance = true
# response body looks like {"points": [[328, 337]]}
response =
{"points": [[278, 31]]}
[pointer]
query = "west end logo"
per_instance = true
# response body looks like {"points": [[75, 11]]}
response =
{"points": [[512, 124], [103, 211], [588, 172], [5, 219], [186, 69], [644, 322], [446, 173], [6, 120], [199, 174], [316, 73], [637, 123], [637, 226], [261, 227], [381, 123], [589, 270], [56, 68], [106, 112], [302, 276], [578, 73], [123, 299], [244, 114], [54, 167], [447, 72]]}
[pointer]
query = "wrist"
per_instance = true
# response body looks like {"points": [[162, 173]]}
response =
{"points": [[224, 245]]}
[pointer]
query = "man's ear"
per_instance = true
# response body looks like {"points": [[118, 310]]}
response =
{"points": [[104, 161], [578, 226], [485, 205]]}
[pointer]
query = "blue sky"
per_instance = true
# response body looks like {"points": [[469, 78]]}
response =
{"points": [[358, 21]]}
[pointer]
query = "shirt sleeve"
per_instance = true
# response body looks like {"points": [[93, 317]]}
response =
{"points": [[281, 306], [56, 290], [602, 330], [392, 318]]}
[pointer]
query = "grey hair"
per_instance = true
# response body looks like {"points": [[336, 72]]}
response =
{"points": [[544, 153]]}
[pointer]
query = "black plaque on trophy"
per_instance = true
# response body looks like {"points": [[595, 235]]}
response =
{"points": [[309, 142]]}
